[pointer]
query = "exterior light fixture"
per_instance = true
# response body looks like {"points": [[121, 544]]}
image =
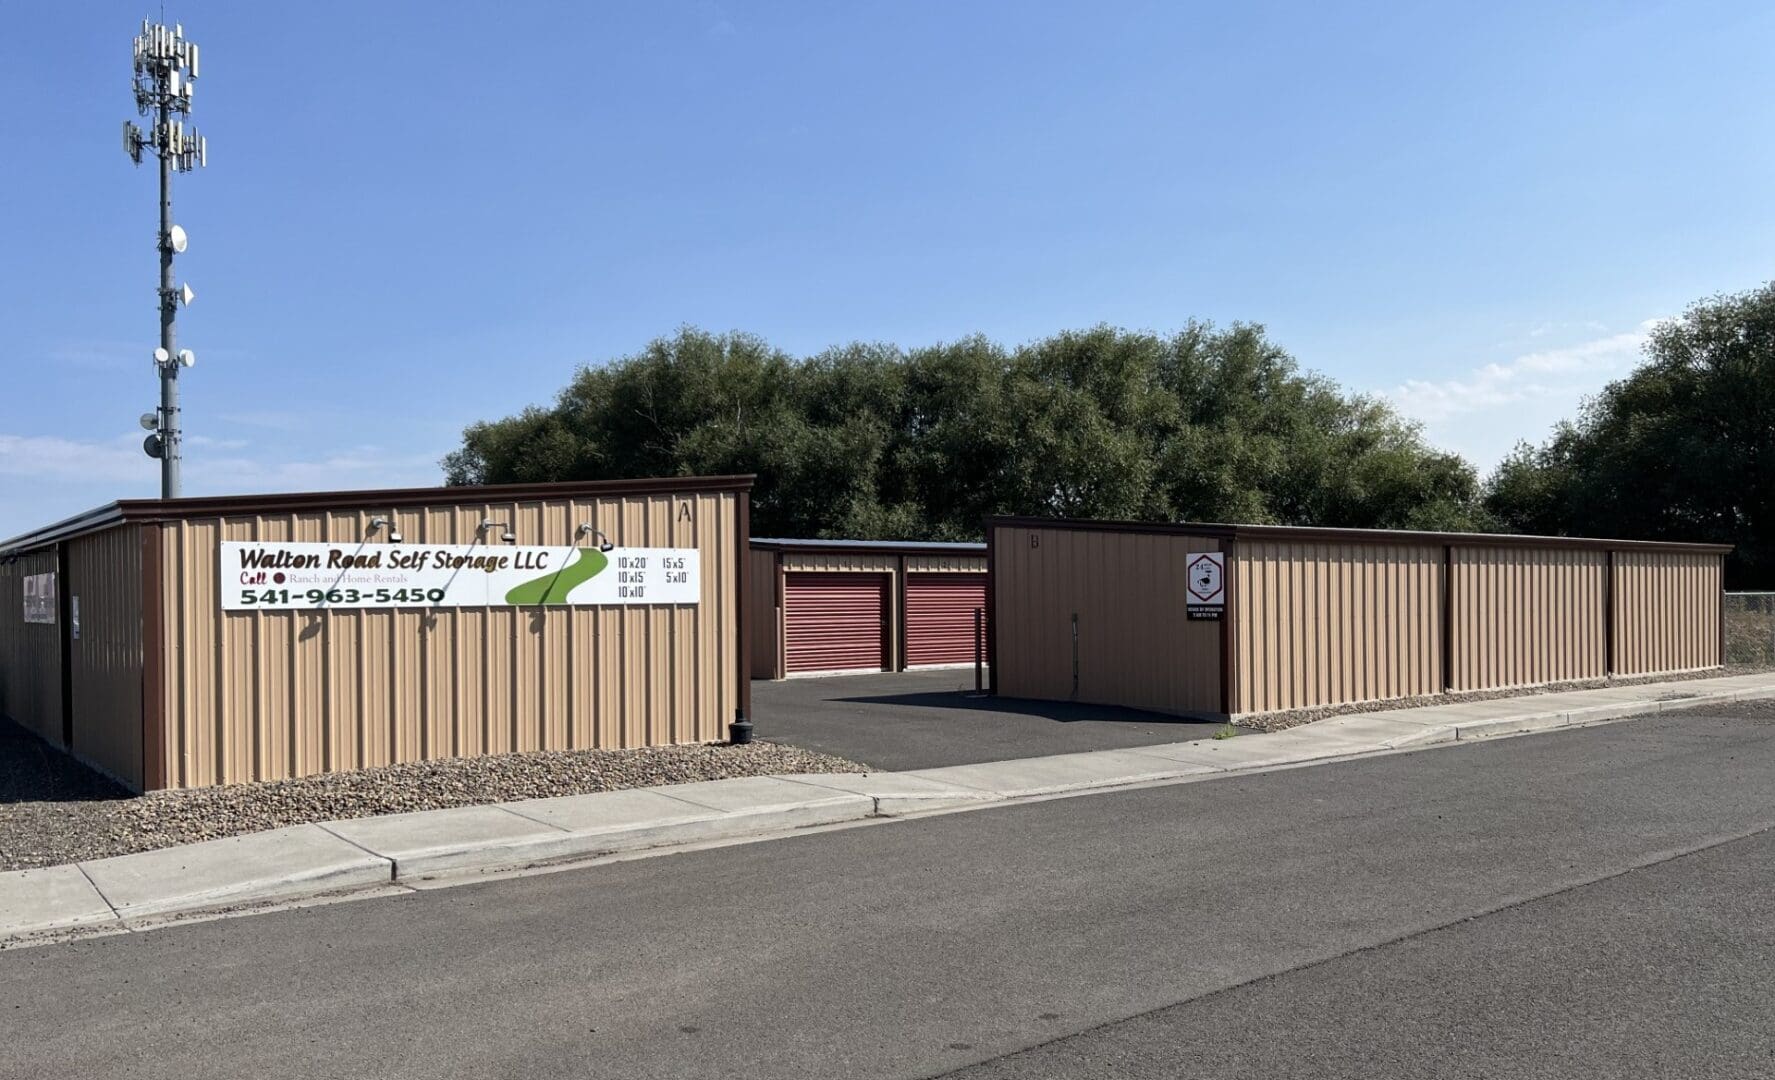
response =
{"points": [[508, 536], [394, 531], [586, 529]]}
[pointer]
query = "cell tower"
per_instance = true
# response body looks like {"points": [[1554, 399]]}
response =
{"points": [[166, 66]]}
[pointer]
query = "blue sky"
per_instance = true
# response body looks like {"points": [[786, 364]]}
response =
{"points": [[419, 215]]}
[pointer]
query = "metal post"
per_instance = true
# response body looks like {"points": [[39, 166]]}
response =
{"points": [[979, 650], [169, 305]]}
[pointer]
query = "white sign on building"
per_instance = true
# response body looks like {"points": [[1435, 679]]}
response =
{"points": [[40, 598], [280, 576], [1206, 584]]}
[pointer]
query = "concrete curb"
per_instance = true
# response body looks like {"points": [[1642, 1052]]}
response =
{"points": [[369, 855], [1549, 721]]}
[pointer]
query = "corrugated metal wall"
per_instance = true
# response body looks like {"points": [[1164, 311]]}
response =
{"points": [[1523, 616], [1667, 611], [105, 574], [766, 620], [1329, 623], [30, 653], [1331, 617], [842, 562], [1135, 647], [265, 695], [946, 564]]}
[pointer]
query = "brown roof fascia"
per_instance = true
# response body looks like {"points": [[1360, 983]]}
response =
{"points": [[873, 547], [1310, 534], [239, 505]]}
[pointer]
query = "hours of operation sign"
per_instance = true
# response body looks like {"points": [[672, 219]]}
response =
{"points": [[282, 576]]}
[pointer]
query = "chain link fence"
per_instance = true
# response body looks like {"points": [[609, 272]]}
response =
{"points": [[1750, 628]]}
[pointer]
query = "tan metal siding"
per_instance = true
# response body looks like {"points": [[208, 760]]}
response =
{"points": [[1135, 645], [105, 574], [264, 695], [30, 653], [945, 564], [1524, 616], [841, 562], [1667, 612], [761, 598], [1330, 623]]}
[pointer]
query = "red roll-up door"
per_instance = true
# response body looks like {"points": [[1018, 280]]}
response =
{"points": [[834, 622], [940, 617]]}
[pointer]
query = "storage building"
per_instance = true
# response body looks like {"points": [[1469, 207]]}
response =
{"points": [[1241, 619], [848, 606], [190, 642]]}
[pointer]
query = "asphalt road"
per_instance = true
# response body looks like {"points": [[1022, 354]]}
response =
{"points": [[1588, 903], [927, 719]]}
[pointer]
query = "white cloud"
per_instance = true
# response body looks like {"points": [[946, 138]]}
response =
{"points": [[1564, 374], [47, 478], [356, 467], [270, 419], [52, 457], [220, 444]]}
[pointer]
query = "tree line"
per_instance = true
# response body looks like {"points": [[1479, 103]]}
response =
{"points": [[1206, 424], [1683, 448]]}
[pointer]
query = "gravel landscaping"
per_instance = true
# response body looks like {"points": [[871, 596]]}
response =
{"points": [[55, 810], [1281, 721]]}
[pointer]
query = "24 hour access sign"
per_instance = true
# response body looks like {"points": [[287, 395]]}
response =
{"points": [[304, 576], [1205, 590]]}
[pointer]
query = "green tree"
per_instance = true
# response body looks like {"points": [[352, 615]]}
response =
{"points": [[1681, 449], [872, 441]]}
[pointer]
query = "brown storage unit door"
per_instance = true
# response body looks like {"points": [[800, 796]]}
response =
{"points": [[940, 617], [834, 622]]}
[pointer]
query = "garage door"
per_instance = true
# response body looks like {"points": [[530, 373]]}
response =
{"points": [[834, 622], [940, 617]]}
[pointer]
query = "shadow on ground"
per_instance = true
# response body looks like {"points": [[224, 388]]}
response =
{"points": [[1060, 712], [33, 771], [926, 719]]}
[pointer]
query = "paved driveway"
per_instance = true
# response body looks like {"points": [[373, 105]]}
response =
{"points": [[924, 719]]}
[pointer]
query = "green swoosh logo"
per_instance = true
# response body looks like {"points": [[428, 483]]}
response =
{"points": [[553, 588]]}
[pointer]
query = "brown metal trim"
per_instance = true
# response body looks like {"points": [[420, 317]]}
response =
{"points": [[1308, 534], [64, 602], [742, 571], [153, 663], [169, 509], [1448, 618], [1224, 532], [782, 665], [899, 627], [867, 547], [434, 496], [887, 620], [1608, 614], [1229, 640], [991, 612], [1722, 604], [91, 521]]}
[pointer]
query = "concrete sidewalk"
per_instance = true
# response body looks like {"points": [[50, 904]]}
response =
{"points": [[396, 851]]}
